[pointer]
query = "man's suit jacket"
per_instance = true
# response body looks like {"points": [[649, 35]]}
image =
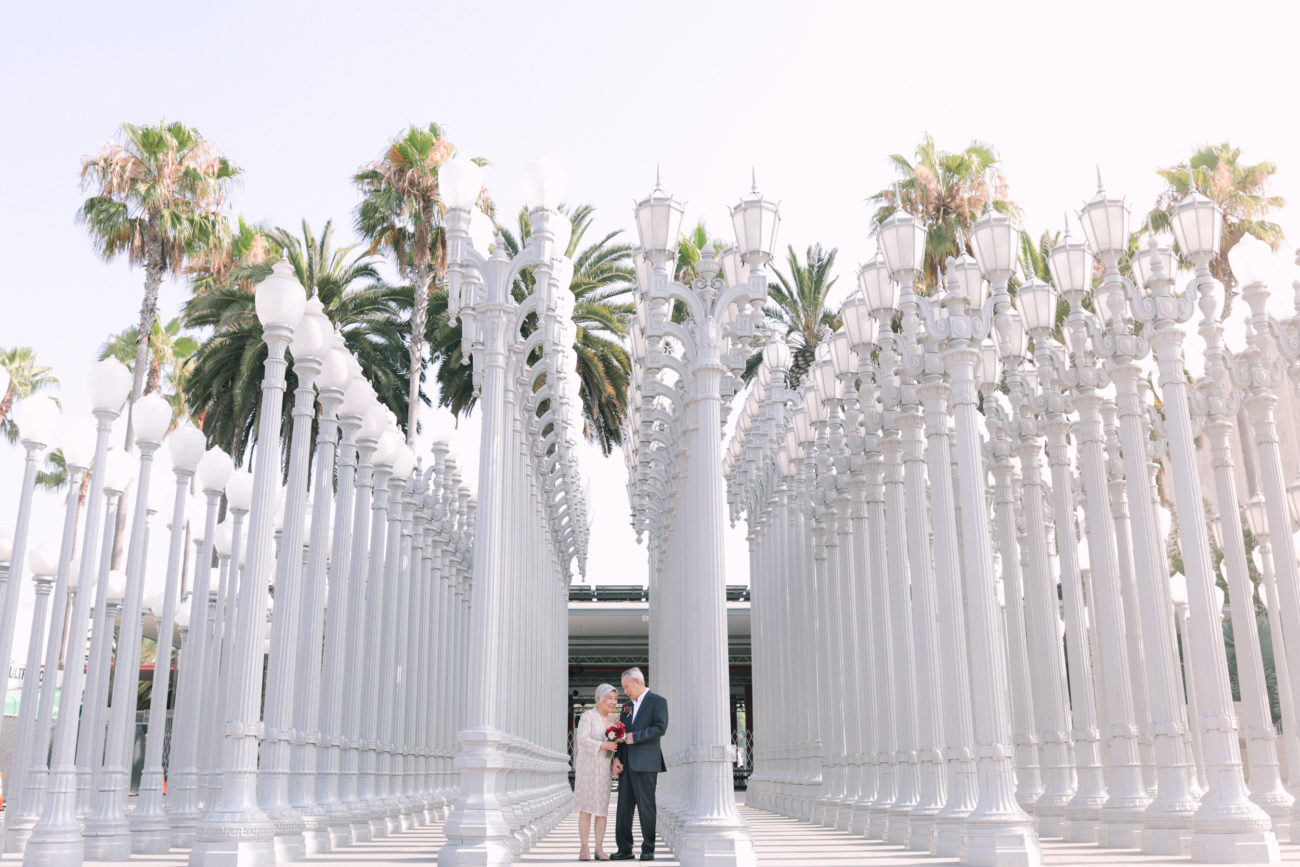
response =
{"points": [[643, 754]]}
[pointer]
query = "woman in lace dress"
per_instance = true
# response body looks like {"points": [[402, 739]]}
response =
{"points": [[591, 769]]}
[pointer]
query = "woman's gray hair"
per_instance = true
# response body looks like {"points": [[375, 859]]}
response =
{"points": [[603, 690]]}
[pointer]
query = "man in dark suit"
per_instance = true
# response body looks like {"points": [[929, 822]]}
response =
{"points": [[639, 762]]}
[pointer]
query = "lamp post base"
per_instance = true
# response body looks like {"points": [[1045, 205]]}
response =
{"points": [[18, 831], [715, 842], [920, 832], [858, 820], [109, 844], [155, 838], [234, 839], [1166, 841], [1119, 833], [1240, 848], [896, 823], [1001, 845], [949, 831], [62, 849]]}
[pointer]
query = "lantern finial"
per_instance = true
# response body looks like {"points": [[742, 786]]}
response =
{"points": [[1100, 187], [753, 180]]}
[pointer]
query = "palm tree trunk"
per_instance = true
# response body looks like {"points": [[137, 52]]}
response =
{"points": [[153, 274], [7, 404], [419, 319]]}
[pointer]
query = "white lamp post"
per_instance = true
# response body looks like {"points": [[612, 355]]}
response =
{"points": [[310, 343], [56, 838], [1227, 826], [194, 699], [44, 563], [78, 452], [150, 829], [328, 784], [332, 379], [1037, 303], [236, 831], [107, 834], [486, 826], [36, 418]]}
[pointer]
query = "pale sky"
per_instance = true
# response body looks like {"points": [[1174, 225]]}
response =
{"points": [[813, 96]]}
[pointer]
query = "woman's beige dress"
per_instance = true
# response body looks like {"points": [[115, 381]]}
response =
{"points": [[591, 764]]}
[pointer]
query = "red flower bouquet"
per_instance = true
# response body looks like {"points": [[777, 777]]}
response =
{"points": [[616, 732]]}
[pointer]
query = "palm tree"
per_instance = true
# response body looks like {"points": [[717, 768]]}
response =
{"points": [[603, 278], [948, 191], [402, 212], [26, 377], [798, 305], [157, 197], [1241, 192], [224, 385], [170, 358]]}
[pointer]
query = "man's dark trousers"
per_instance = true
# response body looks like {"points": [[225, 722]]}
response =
{"points": [[643, 761], [636, 789]]}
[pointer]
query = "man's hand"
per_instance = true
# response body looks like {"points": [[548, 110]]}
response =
{"points": [[618, 767], [627, 738]]}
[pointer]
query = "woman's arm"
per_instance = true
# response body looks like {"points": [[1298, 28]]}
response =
{"points": [[589, 739]]}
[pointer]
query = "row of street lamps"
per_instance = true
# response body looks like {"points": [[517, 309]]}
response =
{"points": [[371, 611], [908, 597]]}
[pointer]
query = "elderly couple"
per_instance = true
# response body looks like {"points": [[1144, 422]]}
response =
{"points": [[638, 759]]}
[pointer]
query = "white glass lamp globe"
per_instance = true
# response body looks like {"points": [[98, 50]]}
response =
{"points": [[311, 336], [658, 223], [152, 415], [153, 595], [109, 383], [224, 537], [334, 374], [481, 231], [119, 467], [280, 299], [6, 542], [902, 242], [1198, 225], [74, 574], [79, 444], [214, 469], [44, 559], [1251, 260], [386, 452], [460, 180], [1178, 588], [183, 614], [403, 463], [37, 417], [1037, 305], [116, 585], [878, 288], [543, 183], [355, 397], [186, 446], [1220, 598], [373, 423]]}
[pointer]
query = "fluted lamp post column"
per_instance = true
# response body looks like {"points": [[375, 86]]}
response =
{"points": [[32, 749], [998, 831], [107, 833], [56, 838], [235, 831], [150, 830], [1227, 827]]}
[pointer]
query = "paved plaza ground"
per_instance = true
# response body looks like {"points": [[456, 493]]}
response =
{"points": [[780, 842]]}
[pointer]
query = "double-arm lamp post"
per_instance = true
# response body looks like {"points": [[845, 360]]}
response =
{"points": [[703, 351]]}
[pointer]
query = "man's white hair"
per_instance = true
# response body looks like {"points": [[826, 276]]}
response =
{"points": [[634, 674]]}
